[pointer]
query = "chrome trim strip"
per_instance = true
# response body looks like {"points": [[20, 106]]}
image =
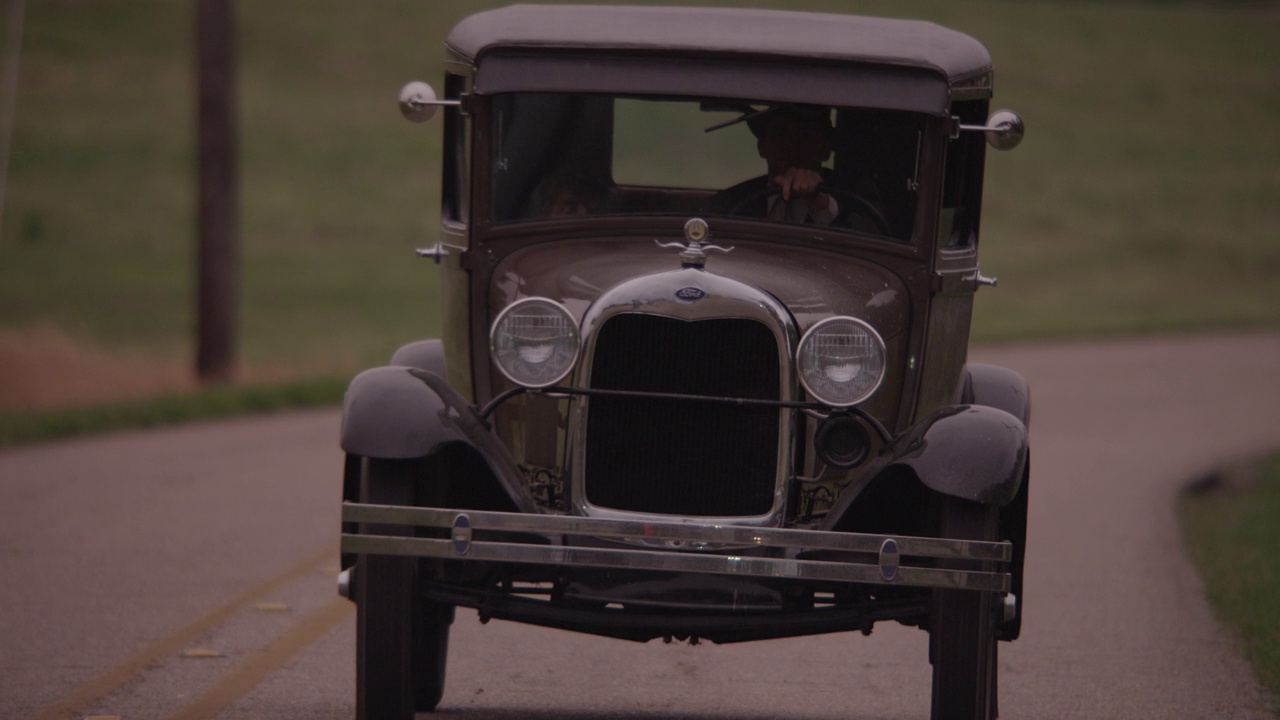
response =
{"points": [[678, 561]]}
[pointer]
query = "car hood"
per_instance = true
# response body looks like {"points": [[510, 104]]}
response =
{"points": [[813, 284]]}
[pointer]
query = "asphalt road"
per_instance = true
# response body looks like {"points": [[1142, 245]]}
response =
{"points": [[188, 573]]}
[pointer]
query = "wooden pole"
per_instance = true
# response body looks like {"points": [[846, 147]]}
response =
{"points": [[218, 253], [9, 93]]}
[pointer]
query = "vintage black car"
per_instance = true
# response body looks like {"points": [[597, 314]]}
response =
{"points": [[706, 285]]}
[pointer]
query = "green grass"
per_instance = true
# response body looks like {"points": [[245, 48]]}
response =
{"points": [[1233, 536], [1143, 197], [217, 402]]}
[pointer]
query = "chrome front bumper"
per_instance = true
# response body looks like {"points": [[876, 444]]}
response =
{"points": [[899, 560]]}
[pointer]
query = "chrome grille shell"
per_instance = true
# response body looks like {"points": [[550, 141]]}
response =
{"points": [[668, 295]]}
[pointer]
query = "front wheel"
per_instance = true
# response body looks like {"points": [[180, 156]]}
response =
{"points": [[401, 640], [962, 626]]}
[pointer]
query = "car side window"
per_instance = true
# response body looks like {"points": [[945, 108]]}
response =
{"points": [[962, 183], [454, 197]]}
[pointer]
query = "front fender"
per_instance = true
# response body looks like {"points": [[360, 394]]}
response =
{"points": [[422, 354], [402, 412], [998, 387], [973, 452], [394, 412]]}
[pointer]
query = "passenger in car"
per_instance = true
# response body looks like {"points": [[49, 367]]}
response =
{"points": [[569, 193]]}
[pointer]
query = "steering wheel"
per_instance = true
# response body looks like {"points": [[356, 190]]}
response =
{"points": [[849, 201]]}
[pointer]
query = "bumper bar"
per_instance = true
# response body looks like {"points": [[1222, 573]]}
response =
{"points": [[899, 560]]}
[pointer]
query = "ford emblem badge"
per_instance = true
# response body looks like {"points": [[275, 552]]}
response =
{"points": [[690, 294]]}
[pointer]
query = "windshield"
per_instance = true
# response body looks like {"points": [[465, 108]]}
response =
{"points": [[559, 154]]}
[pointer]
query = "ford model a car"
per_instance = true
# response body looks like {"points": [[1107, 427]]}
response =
{"points": [[706, 284]]}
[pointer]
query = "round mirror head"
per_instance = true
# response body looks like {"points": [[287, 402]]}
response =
{"points": [[1005, 130], [417, 101]]}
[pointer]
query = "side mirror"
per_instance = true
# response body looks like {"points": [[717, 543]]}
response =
{"points": [[418, 101], [1004, 129]]}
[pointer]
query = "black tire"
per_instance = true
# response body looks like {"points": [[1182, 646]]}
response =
{"points": [[401, 641], [430, 653], [962, 626]]}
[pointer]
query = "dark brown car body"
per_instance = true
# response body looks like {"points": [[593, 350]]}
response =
{"points": [[690, 470]]}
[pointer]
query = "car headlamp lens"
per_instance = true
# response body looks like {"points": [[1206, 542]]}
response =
{"points": [[535, 342], [841, 361]]}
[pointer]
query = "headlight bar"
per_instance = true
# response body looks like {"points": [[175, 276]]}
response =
{"points": [[557, 390]]}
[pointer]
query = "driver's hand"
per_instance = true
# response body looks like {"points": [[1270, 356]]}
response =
{"points": [[802, 183]]}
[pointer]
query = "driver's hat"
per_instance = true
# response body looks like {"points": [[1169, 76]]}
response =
{"points": [[801, 113]]}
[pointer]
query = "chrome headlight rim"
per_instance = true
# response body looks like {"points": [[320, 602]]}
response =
{"points": [[877, 346], [501, 325]]}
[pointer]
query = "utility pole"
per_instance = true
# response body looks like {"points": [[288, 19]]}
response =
{"points": [[218, 215], [9, 92]]}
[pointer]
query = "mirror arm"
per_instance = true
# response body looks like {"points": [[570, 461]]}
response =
{"points": [[957, 127], [418, 102]]}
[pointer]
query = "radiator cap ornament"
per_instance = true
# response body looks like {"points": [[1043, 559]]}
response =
{"points": [[694, 254]]}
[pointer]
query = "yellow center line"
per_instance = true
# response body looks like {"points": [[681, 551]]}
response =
{"points": [[177, 641], [246, 676]]}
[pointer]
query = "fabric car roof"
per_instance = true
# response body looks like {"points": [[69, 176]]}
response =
{"points": [[755, 33]]}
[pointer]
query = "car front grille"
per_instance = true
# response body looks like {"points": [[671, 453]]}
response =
{"points": [[674, 456]]}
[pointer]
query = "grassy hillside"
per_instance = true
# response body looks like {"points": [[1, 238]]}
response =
{"points": [[1231, 533], [1144, 199]]}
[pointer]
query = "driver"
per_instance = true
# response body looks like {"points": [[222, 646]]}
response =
{"points": [[794, 141]]}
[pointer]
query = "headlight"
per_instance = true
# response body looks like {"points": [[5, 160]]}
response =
{"points": [[535, 342], [841, 361]]}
